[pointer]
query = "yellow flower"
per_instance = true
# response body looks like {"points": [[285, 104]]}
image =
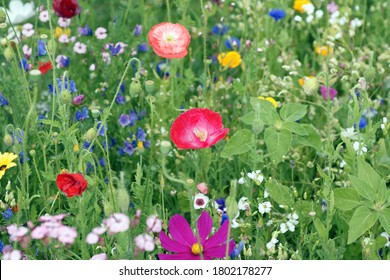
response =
{"points": [[6, 162], [230, 59], [140, 145], [298, 5], [76, 148], [301, 81], [324, 50], [270, 99], [60, 31]]}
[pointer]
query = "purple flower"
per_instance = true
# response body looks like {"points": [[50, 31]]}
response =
{"points": [[78, 100], [68, 84], [186, 246], [237, 250], [21, 158], [143, 47], [85, 31], [138, 30], [232, 43], [82, 115], [102, 162], [41, 48], [362, 123], [128, 148], [111, 143], [101, 129], [332, 92], [7, 214], [120, 99], [124, 120], [277, 14], [332, 7], [64, 61], [114, 49], [221, 204], [141, 134], [23, 64]]}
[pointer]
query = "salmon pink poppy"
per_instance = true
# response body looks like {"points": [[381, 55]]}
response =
{"points": [[187, 246], [169, 40], [66, 8], [197, 129], [71, 183]]}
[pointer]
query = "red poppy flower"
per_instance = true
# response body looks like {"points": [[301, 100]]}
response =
{"points": [[44, 67], [169, 40], [197, 128], [66, 8], [71, 183]]}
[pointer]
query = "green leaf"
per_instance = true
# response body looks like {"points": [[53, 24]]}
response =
{"points": [[321, 230], [265, 109], [346, 199], [295, 128], [278, 143], [312, 139], [248, 118], [368, 174], [363, 188], [50, 122], [362, 220], [281, 194], [293, 112], [241, 142], [384, 219]]}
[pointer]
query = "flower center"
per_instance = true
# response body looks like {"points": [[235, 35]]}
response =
{"points": [[169, 37], [199, 202], [196, 249], [201, 134], [3, 167]]}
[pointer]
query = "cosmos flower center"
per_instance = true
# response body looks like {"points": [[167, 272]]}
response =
{"points": [[196, 249], [201, 134], [3, 167]]}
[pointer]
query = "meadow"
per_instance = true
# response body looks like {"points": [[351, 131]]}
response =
{"points": [[178, 129]]}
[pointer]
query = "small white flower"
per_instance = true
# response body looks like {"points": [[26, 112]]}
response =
{"points": [[256, 176], [272, 243], [269, 223], [355, 23], [19, 12], [243, 203], [342, 164], [308, 8], [200, 201], [309, 18], [360, 148], [266, 194], [319, 13], [241, 181], [298, 18], [348, 132], [382, 126], [384, 120], [265, 207]]}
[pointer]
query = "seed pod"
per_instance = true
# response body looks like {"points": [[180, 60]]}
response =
{"points": [[150, 86], [135, 88], [8, 54]]}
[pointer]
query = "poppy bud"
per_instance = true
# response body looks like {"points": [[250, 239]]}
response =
{"points": [[149, 86], [8, 140], [135, 88], [165, 147], [123, 200], [8, 54], [90, 135]]}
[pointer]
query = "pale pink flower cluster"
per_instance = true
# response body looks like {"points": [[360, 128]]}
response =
{"points": [[27, 51], [19, 234], [63, 22], [99, 257], [28, 30], [145, 242], [44, 16]]}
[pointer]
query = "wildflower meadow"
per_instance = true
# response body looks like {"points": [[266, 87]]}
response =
{"points": [[194, 130]]}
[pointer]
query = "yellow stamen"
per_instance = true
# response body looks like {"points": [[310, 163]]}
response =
{"points": [[201, 134], [196, 249]]}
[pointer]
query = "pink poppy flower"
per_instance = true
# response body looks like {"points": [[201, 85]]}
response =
{"points": [[332, 92], [169, 40], [197, 128], [187, 246]]}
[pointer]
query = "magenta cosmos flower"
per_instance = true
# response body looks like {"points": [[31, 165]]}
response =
{"points": [[324, 92], [187, 246], [169, 40], [197, 128]]}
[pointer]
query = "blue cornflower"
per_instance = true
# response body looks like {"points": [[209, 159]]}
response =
{"points": [[114, 49], [122, 88], [82, 115], [225, 217], [7, 214], [19, 137], [24, 64], [143, 47], [102, 162], [1, 246], [111, 143], [141, 135], [41, 48], [277, 14], [3, 101], [138, 30], [362, 123], [147, 144], [128, 148], [85, 31], [64, 61], [220, 29], [162, 68], [68, 84], [232, 43], [133, 117], [87, 145], [237, 250], [221, 204]]}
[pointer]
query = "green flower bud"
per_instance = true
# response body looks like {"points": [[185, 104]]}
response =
{"points": [[35, 75], [66, 97], [310, 164], [32, 153], [135, 88], [165, 147], [3, 25], [123, 200], [9, 53], [95, 113], [8, 140], [108, 208], [3, 16], [90, 135], [8, 186], [370, 74], [149, 86]]}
